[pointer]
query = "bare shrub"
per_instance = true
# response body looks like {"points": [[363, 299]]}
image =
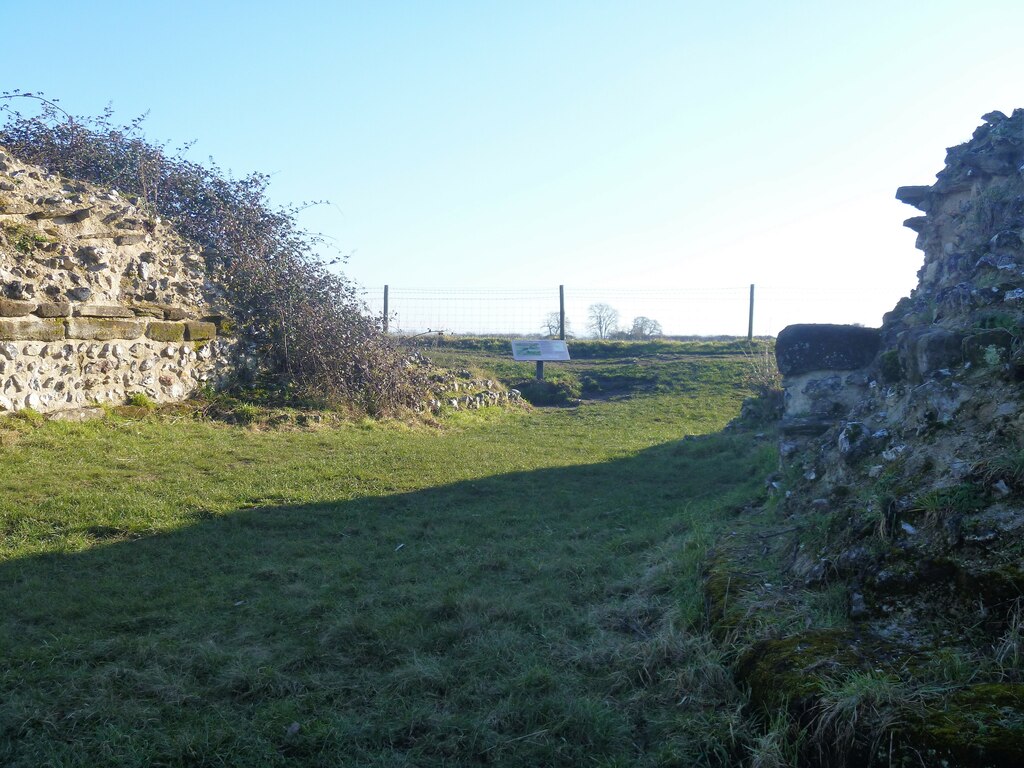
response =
{"points": [[304, 323]]}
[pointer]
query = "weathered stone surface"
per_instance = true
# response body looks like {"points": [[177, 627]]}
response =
{"points": [[916, 223], [31, 329], [92, 255], [925, 456], [819, 347], [225, 326], [96, 247], [54, 309], [988, 347], [61, 216], [159, 330], [916, 196], [76, 217], [160, 311], [94, 259], [105, 329], [806, 425], [12, 308], [80, 293], [56, 377], [821, 393], [102, 310], [196, 330], [951, 732], [133, 239], [148, 310], [924, 351], [79, 414], [42, 215]]}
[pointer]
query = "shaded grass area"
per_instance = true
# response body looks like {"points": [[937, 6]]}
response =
{"points": [[518, 588]]}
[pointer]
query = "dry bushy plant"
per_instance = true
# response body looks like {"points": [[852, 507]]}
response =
{"points": [[305, 323]]}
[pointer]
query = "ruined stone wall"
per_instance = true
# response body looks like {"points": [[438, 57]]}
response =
{"points": [[901, 480], [917, 442], [99, 299]]}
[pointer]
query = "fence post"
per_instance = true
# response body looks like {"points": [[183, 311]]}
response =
{"points": [[385, 309], [561, 312], [750, 322]]}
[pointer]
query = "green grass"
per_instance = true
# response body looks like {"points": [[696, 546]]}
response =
{"points": [[617, 369], [594, 348], [514, 588]]}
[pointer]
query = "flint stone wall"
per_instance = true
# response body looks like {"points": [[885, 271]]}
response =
{"points": [[99, 300], [58, 364]]}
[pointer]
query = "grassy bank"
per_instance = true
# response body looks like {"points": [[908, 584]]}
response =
{"points": [[513, 588]]}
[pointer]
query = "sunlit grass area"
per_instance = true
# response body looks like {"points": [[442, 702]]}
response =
{"points": [[514, 587]]}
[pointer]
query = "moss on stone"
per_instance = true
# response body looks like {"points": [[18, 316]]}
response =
{"points": [[889, 366], [196, 330], [981, 725], [722, 587], [158, 330], [790, 671], [31, 329], [105, 329]]}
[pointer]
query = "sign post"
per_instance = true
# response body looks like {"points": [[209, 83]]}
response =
{"points": [[540, 351]]}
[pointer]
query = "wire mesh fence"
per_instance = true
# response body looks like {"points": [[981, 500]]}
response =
{"points": [[726, 311]]}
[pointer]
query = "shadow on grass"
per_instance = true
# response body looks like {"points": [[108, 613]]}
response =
{"points": [[464, 624]]}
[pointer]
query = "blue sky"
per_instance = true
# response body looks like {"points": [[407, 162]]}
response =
{"points": [[695, 146]]}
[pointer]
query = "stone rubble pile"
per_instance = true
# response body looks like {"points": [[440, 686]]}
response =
{"points": [[460, 390]]}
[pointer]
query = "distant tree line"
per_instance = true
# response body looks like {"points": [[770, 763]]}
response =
{"points": [[603, 323]]}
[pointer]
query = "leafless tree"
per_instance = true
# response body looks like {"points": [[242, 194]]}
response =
{"points": [[552, 325], [645, 328], [602, 320]]}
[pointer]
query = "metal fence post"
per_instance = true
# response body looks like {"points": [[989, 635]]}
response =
{"points": [[561, 312], [750, 322]]}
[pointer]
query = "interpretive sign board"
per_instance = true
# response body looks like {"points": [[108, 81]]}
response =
{"points": [[540, 350]]}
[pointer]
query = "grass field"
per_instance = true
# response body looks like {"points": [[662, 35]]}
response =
{"points": [[514, 587]]}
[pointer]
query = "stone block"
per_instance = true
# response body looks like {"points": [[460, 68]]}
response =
{"points": [[806, 426], [43, 215], [31, 329], [823, 393], [148, 310], [76, 217], [103, 310], [13, 308], [79, 415], [196, 330], [917, 196], [54, 309], [134, 239], [159, 330], [922, 352], [824, 347], [81, 293], [175, 313], [988, 347], [916, 223], [105, 329], [225, 326]]}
